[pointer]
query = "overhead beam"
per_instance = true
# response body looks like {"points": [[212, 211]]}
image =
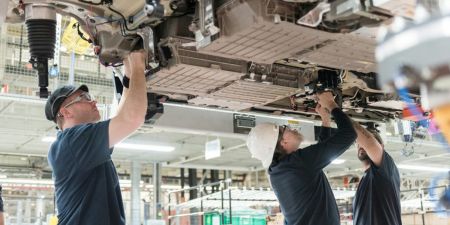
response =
{"points": [[198, 120]]}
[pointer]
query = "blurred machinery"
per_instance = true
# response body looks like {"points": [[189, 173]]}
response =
{"points": [[414, 55]]}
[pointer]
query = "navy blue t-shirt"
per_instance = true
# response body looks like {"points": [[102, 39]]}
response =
{"points": [[377, 200], [299, 183], [86, 183]]}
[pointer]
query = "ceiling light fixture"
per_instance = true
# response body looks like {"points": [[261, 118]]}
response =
{"points": [[48, 139], [157, 148]]}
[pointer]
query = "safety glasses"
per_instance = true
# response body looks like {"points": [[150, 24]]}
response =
{"points": [[85, 96]]}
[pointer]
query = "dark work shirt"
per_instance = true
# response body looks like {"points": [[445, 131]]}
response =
{"points": [[86, 183], [299, 183], [377, 200]]}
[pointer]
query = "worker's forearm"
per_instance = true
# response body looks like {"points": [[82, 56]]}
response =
{"points": [[364, 138], [134, 104], [136, 98], [369, 143], [2, 219], [124, 93]]}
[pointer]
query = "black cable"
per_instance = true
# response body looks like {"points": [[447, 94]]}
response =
{"points": [[102, 2], [81, 34], [124, 24], [122, 30], [123, 18]]}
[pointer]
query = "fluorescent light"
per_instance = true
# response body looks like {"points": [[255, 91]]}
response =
{"points": [[157, 148], [423, 168], [48, 139], [338, 161]]}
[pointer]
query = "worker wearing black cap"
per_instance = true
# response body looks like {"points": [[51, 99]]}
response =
{"points": [[86, 183]]}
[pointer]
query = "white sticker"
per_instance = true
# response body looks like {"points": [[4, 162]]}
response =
{"points": [[212, 149]]}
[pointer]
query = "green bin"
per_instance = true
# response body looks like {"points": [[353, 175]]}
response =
{"points": [[212, 218], [239, 217]]}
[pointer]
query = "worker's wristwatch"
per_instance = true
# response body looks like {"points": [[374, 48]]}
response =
{"points": [[126, 81]]}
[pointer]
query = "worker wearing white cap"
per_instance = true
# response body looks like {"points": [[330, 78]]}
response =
{"points": [[296, 175]]}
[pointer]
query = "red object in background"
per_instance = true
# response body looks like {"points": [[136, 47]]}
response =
{"points": [[29, 66], [346, 182], [4, 88], [97, 49], [408, 115]]}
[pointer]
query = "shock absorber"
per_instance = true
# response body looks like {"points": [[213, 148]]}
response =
{"points": [[40, 20]]}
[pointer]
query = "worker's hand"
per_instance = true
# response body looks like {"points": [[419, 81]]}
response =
{"points": [[137, 61], [326, 100], [324, 114]]}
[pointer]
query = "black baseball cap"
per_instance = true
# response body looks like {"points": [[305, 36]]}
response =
{"points": [[57, 98]]}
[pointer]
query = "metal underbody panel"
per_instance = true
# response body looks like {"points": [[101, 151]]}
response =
{"points": [[258, 55], [266, 42]]}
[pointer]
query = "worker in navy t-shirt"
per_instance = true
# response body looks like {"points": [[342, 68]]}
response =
{"points": [[377, 199], [86, 183]]}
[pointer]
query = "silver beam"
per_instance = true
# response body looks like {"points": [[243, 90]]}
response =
{"points": [[135, 193], [156, 190]]}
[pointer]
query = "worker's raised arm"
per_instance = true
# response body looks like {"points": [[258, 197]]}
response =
{"points": [[133, 106], [321, 154], [325, 130], [369, 143]]}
